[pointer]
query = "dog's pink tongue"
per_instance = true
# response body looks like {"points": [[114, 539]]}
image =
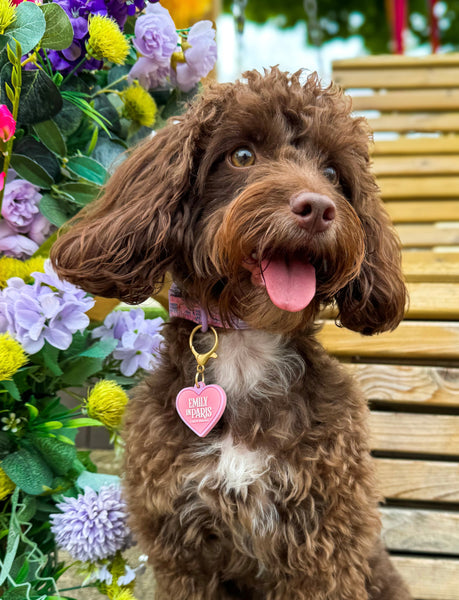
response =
{"points": [[291, 284]]}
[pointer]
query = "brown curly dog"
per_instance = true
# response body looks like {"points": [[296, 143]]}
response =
{"points": [[261, 203]]}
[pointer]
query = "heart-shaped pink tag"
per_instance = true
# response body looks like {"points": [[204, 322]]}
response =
{"points": [[200, 407]]}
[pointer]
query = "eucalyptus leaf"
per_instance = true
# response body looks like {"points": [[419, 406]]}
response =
{"points": [[28, 471], [40, 98], [38, 152], [59, 31], [81, 193], [31, 170], [49, 133], [59, 456], [28, 27], [87, 168], [69, 118], [56, 210]]}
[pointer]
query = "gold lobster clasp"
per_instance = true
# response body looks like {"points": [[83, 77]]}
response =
{"points": [[202, 359]]}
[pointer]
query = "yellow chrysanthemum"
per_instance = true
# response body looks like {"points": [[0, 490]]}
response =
{"points": [[106, 41], [124, 594], [7, 14], [117, 569], [139, 106], [106, 403], [6, 485], [12, 356], [13, 267], [187, 13]]}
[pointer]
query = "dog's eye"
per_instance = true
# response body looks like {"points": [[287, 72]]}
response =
{"points": [[331, 174], [242, 157]]}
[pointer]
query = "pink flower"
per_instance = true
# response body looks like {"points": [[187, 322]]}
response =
{"points": [[7, 123], [2, 180]]}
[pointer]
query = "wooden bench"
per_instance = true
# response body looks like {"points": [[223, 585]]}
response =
{"points": [[411, 376]]}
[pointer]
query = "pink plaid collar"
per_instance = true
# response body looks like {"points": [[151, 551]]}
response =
{"points": [[195, 313]]}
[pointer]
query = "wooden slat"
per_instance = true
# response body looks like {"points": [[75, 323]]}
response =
{"points": [[430, 578], [405, 123], [398, 78], [411, 340], [408, 432], [428, 236], [428, 531], [423, 211], [433, 301], [431, 481], [426, 266], [445, 144], [408, 100], [416, 165], [446, 186], [379, 61], [403, 384]]}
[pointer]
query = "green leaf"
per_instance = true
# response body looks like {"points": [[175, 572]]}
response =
{"points": [[81, 193], [17, 593], [59, 455], [44, 249], [52, 425], [59, 30], [56, 210], [28, 471], [50, 357], [31, 170], [82, 422], [48, 132], [108, 150], [80, 370], [69, 118], [40, 98], [96, 480], [23, 572], [87, 168], [100, 349], [33, 411], [28, 27], [14, 537], [12, 389], [34, 149]]}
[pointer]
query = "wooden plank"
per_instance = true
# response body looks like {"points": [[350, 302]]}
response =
{"points": [[408, 100], [400, 78], [433, 301], [422, 122], [425, 265], [446, 186], [378, 61], [430, 578], [408, 432], [430, 531], [423, 211], [442, 144], [411, 340], [431, 481], [406, 384], [428, 236], [416, 165]]}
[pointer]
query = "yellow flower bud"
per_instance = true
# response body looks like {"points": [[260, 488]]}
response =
{"points": [[106, 41], [6, 485], [106, 403], [12, 356]]}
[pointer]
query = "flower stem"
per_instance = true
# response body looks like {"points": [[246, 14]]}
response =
{"points": [[107, 89], [77, 66]]}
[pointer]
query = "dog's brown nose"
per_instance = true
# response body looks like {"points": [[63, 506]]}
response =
{"points": [[314, 212]]}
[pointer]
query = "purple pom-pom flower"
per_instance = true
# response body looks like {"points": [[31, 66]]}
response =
{"points": [[93, 526]]}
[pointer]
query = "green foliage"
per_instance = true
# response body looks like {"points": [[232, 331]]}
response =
{"points": [[59, 30], [28, 27]]}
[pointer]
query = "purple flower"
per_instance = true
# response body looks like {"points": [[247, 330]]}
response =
{"points": [[120, 10], [138, 339], [93, 526], [22, 216], [200, 56], [49, 310], [149, 73], [155, 34]]}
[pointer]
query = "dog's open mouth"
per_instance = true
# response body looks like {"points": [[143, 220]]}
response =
{"points": [[290, 281]]}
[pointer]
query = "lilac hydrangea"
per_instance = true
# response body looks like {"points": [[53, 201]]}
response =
{"points": [[200, 56], [93, 526], [50, 311], [156, 40], [23, 227], [138, 339]]}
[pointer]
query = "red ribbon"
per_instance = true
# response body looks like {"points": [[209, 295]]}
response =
{"points": [[399, 24]]}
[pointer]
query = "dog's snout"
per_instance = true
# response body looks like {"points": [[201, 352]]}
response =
{"points": [[314, 212]]}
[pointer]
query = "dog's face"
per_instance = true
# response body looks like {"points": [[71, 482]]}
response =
{"points": [[259, 199]]}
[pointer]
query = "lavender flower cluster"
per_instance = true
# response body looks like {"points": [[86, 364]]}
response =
{"points": [[23, 228], [138, 339], [50, 310], [92, 526], [156, 40]]}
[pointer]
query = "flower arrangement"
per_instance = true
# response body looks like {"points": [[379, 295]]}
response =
{"points": [[50, 494], [80, 82]]}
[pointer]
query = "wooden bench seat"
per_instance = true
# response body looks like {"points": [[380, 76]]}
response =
{"points": [[411, 376]]}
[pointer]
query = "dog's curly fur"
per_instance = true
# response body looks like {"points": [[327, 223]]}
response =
{"points": [[278, 502]]}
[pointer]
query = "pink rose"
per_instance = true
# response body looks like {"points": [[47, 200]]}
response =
{"points": [[7, 123]]}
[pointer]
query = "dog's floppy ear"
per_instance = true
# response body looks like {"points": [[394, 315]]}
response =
{"points": [[122, 245], [375, 300]]}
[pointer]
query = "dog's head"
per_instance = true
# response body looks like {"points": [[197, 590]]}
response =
{"points": [[259, 199]]}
